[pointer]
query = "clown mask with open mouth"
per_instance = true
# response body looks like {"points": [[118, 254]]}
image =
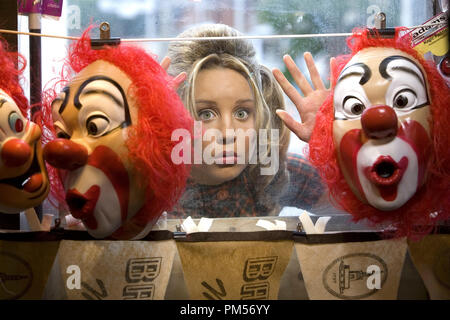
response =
{"points": [[381, 130], [23, 177], [381, 139]]}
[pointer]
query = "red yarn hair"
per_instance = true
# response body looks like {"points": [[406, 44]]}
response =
{"points": [[431, 203], [10, 76], [160, 112]]}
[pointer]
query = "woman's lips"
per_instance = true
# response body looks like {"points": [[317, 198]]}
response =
{"points": [[82, 206], [386, 172], [227, 158]]}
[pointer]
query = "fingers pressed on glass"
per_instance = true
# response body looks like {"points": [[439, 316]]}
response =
{"points": [[287, 87], [165, 63], [297, 75], [179, 80], [294, 126], [314, 74], [333, 66]]}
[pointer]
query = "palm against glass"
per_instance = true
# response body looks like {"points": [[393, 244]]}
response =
{"points": [[307, 105]]}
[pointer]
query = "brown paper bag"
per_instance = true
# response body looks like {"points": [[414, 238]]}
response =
{"points": [[431, 257], [234, 270], [110, 270], [352, 270], [25, 267]]}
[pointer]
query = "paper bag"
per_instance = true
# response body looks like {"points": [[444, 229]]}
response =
{"points": [[24, 268], [352, 270], [111, 270], [233, 270], [431, 257]]}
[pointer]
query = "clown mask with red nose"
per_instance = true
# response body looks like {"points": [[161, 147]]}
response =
{"points": [[113, 124], [381, 139], [24, 181], [23, 176], [381, 130]]}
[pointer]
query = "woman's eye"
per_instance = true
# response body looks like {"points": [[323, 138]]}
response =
{"points": [[206, 115], [15, 122], [241, 114], [353, 106], [97, 125], [405, 100]]}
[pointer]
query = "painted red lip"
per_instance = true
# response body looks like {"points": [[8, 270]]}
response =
{"points": [[386, 171], [82, 206]]}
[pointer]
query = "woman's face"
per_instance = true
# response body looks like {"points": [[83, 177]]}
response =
{"points": [[223, 100]]}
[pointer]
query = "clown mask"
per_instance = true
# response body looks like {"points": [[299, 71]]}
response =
{"points": [[91, 117], [381, 129], [23, 177]]}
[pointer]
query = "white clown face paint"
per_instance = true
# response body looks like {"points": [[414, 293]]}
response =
{"points": [[381, 130], [92, 115]]}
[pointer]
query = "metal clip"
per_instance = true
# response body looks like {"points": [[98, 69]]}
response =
{"points": [[380, 20], [380, 25], [105, 37]]}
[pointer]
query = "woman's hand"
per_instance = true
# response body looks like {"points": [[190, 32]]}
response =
{"points": [[165, 63], [308, 105]]}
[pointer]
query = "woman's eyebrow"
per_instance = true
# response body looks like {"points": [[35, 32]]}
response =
{"points": [[205, 101], [245, 101], [2, 102]]}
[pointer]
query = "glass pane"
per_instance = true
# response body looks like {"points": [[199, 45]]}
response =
{"points": [[133, 19]]}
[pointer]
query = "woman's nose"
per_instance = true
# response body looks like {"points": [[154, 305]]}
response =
{"points": [[65, 154], [379, 122], [15, 153], [227, 130]]}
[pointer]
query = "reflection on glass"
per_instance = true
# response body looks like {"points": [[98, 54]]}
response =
{"points": [[155, 19]]}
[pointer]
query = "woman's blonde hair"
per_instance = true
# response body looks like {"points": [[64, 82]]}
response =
{"points": [[239, 55]]}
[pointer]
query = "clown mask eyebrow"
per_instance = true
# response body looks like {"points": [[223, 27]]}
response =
{"points": [[406, 79], [121, 101], [357, 69], [400, 63], [406, 85]]}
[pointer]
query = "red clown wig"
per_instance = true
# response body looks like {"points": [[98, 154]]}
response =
{"points": [[10, 76], [160, 112], [431, 203]]}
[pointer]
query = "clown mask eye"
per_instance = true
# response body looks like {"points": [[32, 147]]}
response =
{"points": [[353, 107], [15, 122], [62, 135], [405, 100], [97, 125]]}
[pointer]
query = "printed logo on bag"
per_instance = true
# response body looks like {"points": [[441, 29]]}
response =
{"points": [[257, 270], [140, 273], [256, 287], [143, 269], [355, 276], [16, 276], [213, 293]]}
